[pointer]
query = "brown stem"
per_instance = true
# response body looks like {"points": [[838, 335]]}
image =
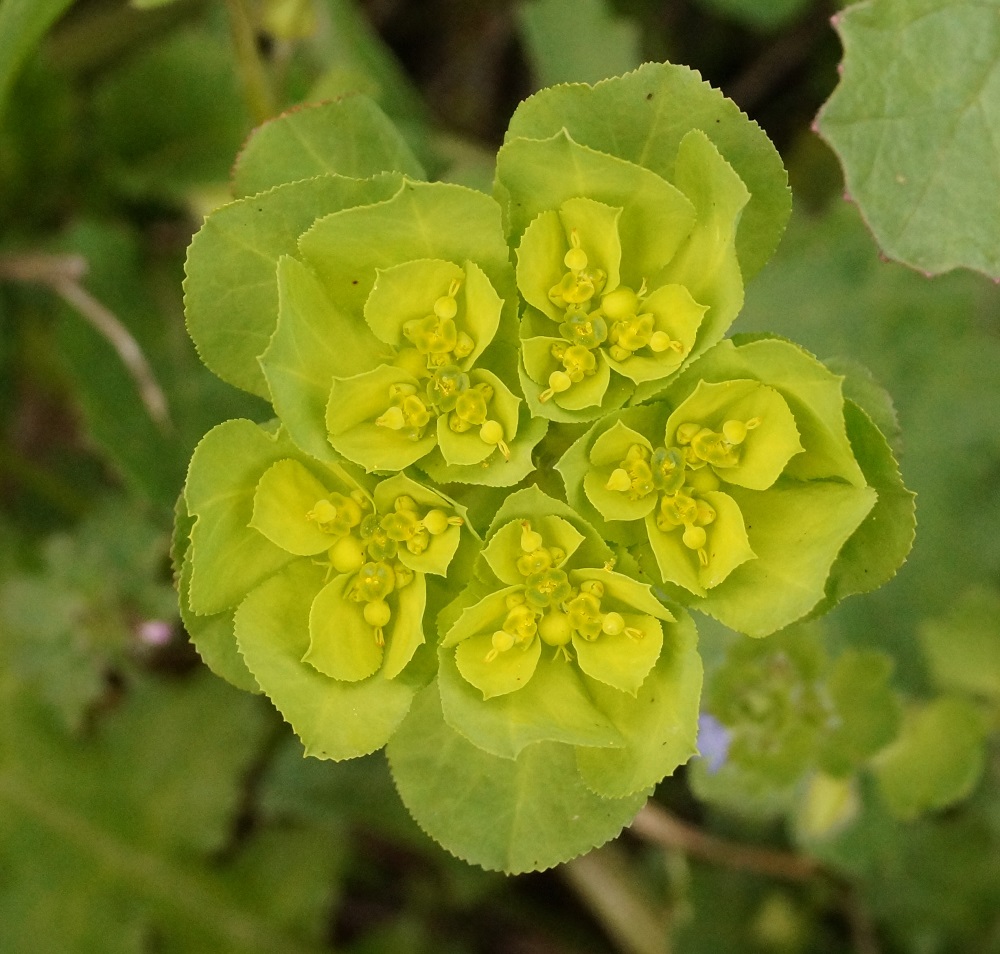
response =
{"points": [[63, 274], [654, 823]]}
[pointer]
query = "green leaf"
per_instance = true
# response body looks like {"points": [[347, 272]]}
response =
{"points": [[214, 637], [113, 844], [23, 23], [349, 137], [232, 268], [335, 720], [556, 173], [422, 220], [962, 648], [659, 724], [767, 448], [606, 456], [228, 556], [812, 392], [936, 760], [727, 548], [913, 122], [504, 549], [526, 814], [867, 710], [500, 472], [341, 644], [312, 344], [882, 542], [354, 406], [788, 577], [643, 116], [603, 44], [285, 495]]}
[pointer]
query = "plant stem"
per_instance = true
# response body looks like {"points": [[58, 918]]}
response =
{"points": [[608, 888], [253, 76], [654, 823]]}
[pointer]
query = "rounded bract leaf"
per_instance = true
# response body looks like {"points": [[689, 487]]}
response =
{"points": [[286, 495], [357, 404]]}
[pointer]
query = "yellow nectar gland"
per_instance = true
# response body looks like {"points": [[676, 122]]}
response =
{"points": [[531, 540]]}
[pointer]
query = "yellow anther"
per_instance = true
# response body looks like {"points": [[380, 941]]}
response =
{"points": [[703, 557], [633, 632], [492, 433], [609, 565], [619, 480], [531, 540]]}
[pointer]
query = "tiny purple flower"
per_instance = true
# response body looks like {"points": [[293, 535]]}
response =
{"points": [[713, 742], [155, 632]]}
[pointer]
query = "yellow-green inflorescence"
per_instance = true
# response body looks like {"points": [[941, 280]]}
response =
{"points": [[436, 351], [571, 268], [550, 606], [615, 321], [681, 475]]}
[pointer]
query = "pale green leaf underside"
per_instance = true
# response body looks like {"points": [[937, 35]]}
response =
{"points": [[914, 121], [335, 720], [348, 137], [644, 115], [511, 815]]}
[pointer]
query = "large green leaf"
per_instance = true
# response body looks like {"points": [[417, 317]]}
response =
{"points": [[23, 23], [788, 577], [231, 289], [963, 648], [936, 760], [881, 544], [349, 137], [120, 837], [644, 115], [335, 720], [603, 44], [659, 724], [914, 122], [512, 815]]}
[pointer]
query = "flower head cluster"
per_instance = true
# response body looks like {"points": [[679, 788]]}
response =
{"points": [[380, 560]]}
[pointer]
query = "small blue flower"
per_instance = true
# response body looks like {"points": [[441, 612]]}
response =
{"points": [[713, 741]]}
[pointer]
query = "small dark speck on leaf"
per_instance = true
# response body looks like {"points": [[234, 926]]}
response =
{"points": [[649, 95], [354, 281]]}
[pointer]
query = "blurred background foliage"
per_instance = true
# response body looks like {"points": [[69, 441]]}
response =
{"points": [[848, 797]]}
